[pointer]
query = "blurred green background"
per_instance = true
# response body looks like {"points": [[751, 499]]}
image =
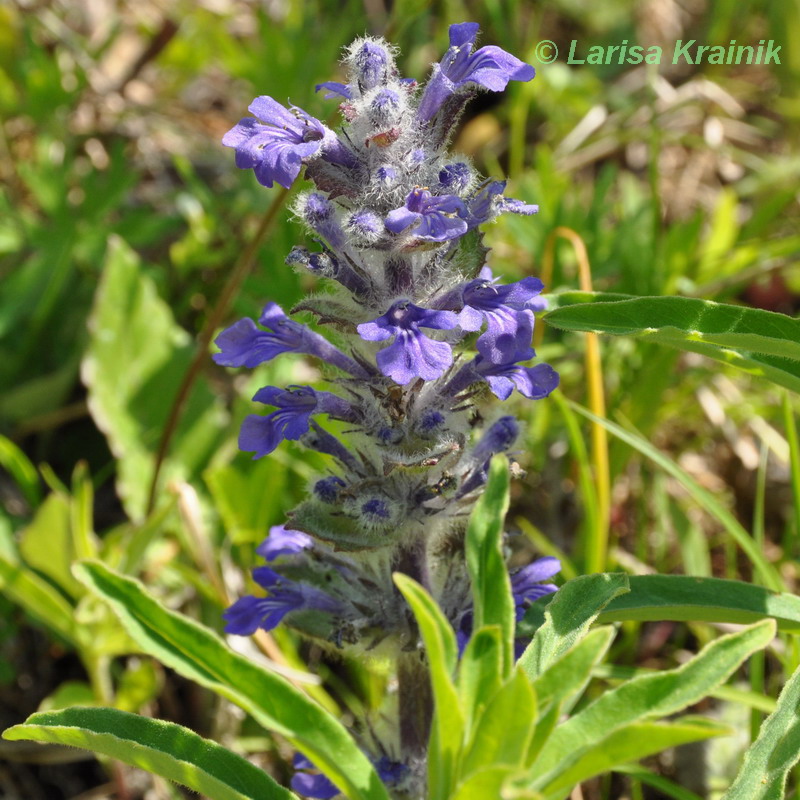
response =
{"points": [[126, 234]]}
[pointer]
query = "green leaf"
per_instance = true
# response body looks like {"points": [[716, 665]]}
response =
{"points": [[567, 618], [631, 743], [705, 499], [37, 597], [491, 586], [448, 720], [761, 342], [135, 361], [488, 783], [18, 465], [480, 672], [648, 697], [773, 754], [503, 732], [567, 677], [199, 654], [47, 544], [162, 748], [685, 598]]}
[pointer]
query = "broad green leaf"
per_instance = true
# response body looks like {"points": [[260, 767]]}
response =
{"points": [[567, 618], [37, 597], [245, 510], [774, 753], [503, 732], [160, 747], [488, 784], [479, 672], [685, 598], [482, 785], [568, 675], [760, 342], [448, 719], [47, 545], [631, 743], [134, 364], [491, 586], [705, 499], [199, 654], [648, 697]]}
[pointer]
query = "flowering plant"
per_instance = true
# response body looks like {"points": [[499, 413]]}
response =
{"points": [[398, 552]]}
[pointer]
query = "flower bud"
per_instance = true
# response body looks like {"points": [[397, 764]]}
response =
{"points": [[371, 64], [329, 489], [365, 226], [385, 108], [455, 177]]}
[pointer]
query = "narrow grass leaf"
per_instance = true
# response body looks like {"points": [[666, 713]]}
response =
{"points": [[160, 747], [774, 753], [568, 617], [659, 782], [199, 654], [491, 586], [705, 499]]}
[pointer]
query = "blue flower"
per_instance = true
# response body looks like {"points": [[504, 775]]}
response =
{"points": [[527, 586], [282, 542], [412, 354], [498, 438], [277, 142], [296, 405], [455, 177], [434, 218], [490, 67], [317, 786], [490, 202], [250, 613], [508, 312], [334, 88], [531, 382], [534, 383], [244, 345]]}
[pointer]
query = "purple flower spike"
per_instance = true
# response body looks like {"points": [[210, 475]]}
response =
{"points": [[250, 613], [275, 144], [283, 542], [244, 345], [490, 67], [412, 354], [334, 88], [508, 312], [295, 405], [531, 382], [435, 218], [526, 585]]}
